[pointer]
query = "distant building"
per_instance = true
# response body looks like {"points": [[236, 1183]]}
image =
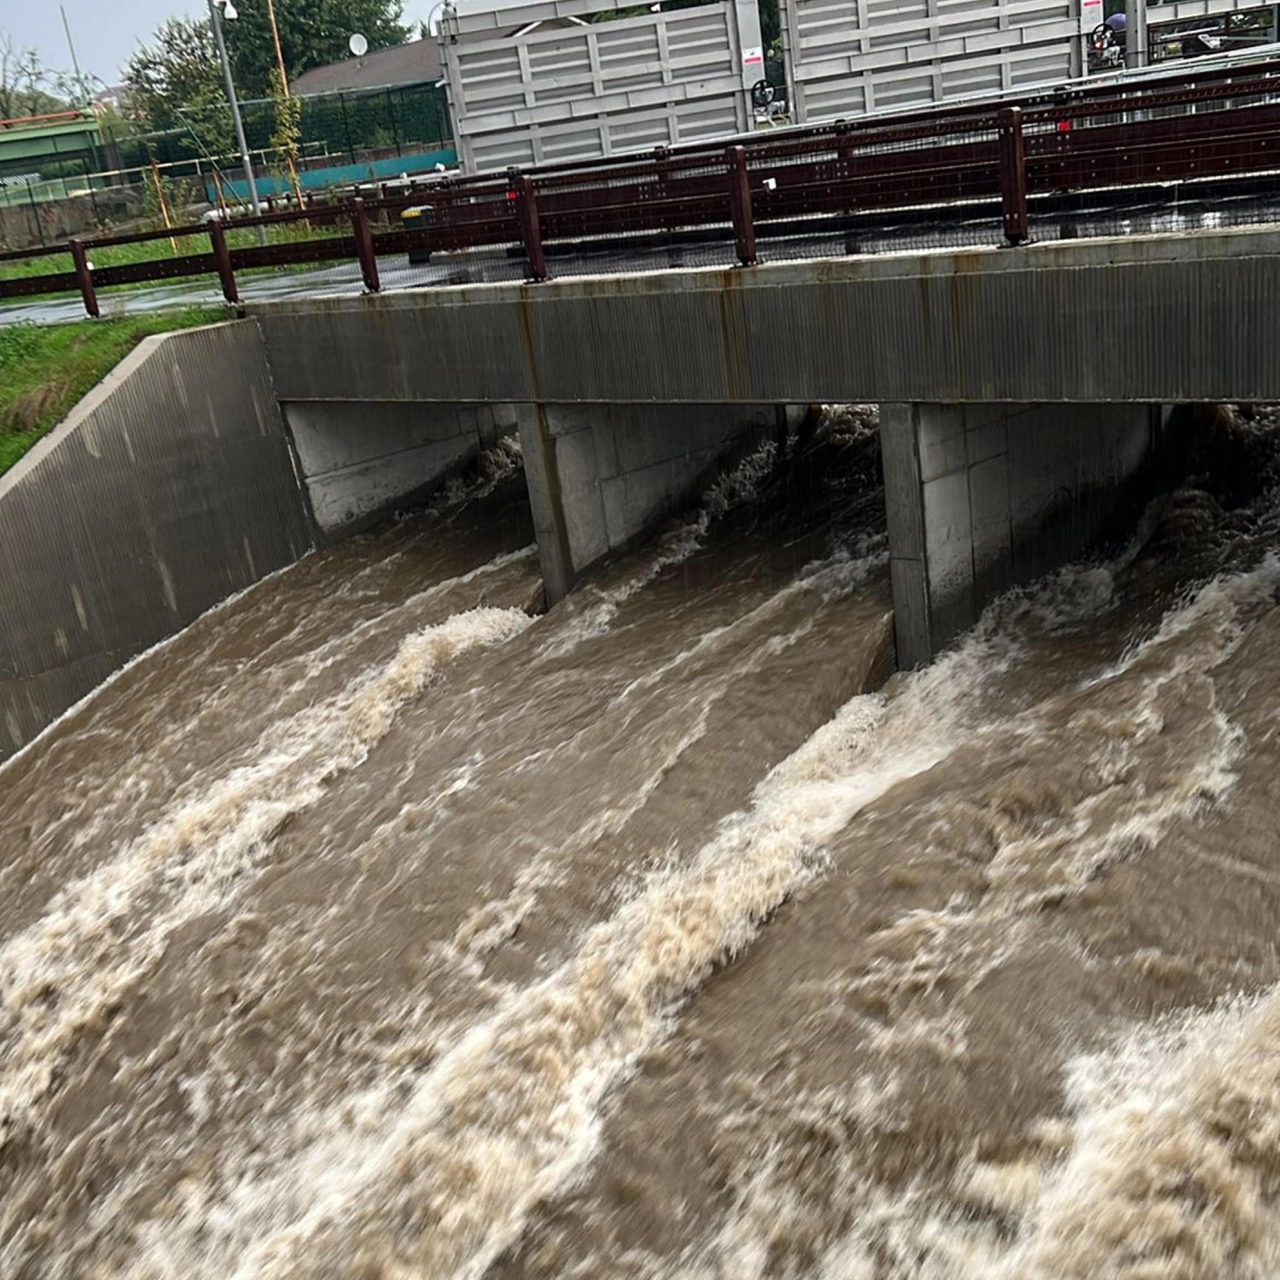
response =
{"points": [[414, 63]]}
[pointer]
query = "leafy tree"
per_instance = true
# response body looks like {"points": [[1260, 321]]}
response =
{"points": [[176, 71], [313, 33], [176, 83], [770, 24], [25, 83]]}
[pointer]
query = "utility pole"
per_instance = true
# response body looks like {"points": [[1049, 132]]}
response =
{"points": [[216, 18], [284, 89], [75, 62]]}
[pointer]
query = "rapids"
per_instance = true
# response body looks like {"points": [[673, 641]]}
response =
{"points": [[381, 925]]}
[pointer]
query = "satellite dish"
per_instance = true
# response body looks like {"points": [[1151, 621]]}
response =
{"points": [[358, 45]]}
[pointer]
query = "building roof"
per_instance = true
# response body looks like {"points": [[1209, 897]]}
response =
{"points": [[404, 64]]}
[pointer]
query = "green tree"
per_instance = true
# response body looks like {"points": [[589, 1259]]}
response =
{"points": [[770, 25], [25, 83], [175, 82], [313, 33], [176, 79]]}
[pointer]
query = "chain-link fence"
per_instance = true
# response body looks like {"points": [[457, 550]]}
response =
{"points": [[105, 179]]}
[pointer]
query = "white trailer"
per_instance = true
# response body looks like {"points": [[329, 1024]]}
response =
{"points": [[846, 58], [535, 83]]}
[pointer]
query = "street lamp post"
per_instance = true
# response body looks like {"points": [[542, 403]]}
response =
{"points": [[216, 18]]}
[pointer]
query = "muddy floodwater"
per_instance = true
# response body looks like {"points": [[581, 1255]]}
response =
{"points": [[381, 926]]}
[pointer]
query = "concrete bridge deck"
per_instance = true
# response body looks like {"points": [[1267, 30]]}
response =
{"points": [[1154, 319]]}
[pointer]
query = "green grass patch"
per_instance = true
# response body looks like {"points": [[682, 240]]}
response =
{"points": [[120, 255], [46, 369]]}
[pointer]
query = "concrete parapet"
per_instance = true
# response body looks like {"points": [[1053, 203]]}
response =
{"points": [[361, 458], [1155, 319], [600, 476], [169, 487], [983, 497]]}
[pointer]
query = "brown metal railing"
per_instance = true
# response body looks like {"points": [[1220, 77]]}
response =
{"points": [[997, 156]]}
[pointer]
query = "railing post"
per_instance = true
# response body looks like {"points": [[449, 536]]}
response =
{"points": [[844, 163], [1013, 175], [744, 231], [84, 278], [662, 162], [530, 225], [222, 259], [364, 248]]}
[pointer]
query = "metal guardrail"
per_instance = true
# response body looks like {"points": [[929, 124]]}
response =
{"points": [[999, 158]]}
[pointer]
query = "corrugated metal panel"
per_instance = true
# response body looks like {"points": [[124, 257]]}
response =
{"points": [[1176, 10], [582, 92], [848, 57]]}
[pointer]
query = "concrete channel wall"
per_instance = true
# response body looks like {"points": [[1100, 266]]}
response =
{"points": [[168, 488], [361, 458]]}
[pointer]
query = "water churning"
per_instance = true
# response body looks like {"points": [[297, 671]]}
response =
{"points": [[382, 926]]}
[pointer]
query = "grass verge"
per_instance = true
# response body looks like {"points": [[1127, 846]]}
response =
{"points": [[120, 255], [46, 369]]}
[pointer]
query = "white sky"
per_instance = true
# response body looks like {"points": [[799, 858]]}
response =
{"points": [[106, 32]]}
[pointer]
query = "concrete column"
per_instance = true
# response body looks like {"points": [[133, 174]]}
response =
{"points": [[983, 497], [360, 459], [601, 476]]}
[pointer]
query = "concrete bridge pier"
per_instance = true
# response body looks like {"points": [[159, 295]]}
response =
{"points": [[600, 475], [983, 497]]}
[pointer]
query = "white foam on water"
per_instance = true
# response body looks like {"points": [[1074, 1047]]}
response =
{"points": [[442, 1181], [596, 609], [496, 921], [1165, 1164], [338, 647], [1164, 1168], [103, 932]]}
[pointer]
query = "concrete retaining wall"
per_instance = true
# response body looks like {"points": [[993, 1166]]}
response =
{"points": [[360, 458], [169, 487], [984, 497], [600, 476]]}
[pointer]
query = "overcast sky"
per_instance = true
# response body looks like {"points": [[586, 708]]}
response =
{"points": [[106, 32]]}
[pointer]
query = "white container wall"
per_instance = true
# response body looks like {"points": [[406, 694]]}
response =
{"points": [[849, 57], [561, 89]]}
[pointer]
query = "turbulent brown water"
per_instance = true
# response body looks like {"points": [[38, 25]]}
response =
{"points": [[378, 927]]}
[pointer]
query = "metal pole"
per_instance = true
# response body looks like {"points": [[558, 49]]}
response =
{"points": [[288, 94], [216, 18], [1013, 175], [84, 279], [530, 225], [1135, 33], [364, 247], [222, 258], [75, 62], [744, 230], [35, 213]]}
